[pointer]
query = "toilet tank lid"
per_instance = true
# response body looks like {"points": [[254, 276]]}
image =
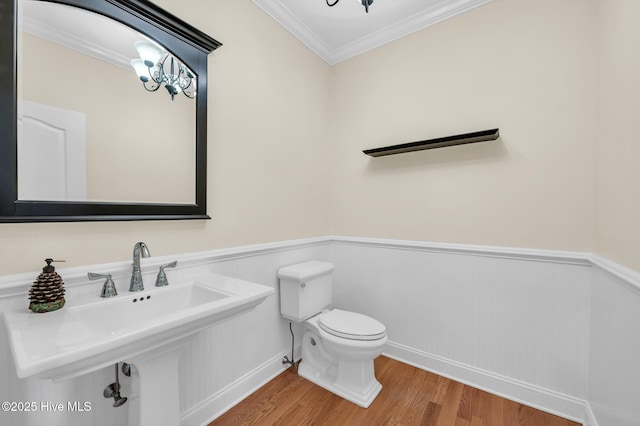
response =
{"points": [[302, 272]]}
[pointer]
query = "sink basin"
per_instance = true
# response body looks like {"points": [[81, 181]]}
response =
{"points": [[87, 335], [134, 311]]}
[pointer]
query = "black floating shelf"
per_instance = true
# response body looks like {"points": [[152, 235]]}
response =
{"points": [[482, 136]]}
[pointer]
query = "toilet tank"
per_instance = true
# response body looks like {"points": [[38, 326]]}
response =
{"points": [[305, 289]]}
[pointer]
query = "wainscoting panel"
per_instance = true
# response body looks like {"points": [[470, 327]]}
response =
{"points": [[614, 354], [508, 313], [555, 330], [240, 347]]}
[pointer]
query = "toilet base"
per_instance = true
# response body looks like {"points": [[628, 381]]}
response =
{"points": [[361, 396], [350, 375]]}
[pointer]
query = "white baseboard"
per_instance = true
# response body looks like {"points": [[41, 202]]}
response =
{"points": [[590, 418], [222, 401], [524, 393]]}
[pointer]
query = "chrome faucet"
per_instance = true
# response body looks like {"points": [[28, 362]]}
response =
{"points": [[140, 249]]}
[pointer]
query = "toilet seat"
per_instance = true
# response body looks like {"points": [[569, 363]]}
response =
{"points": [[351, 325]]}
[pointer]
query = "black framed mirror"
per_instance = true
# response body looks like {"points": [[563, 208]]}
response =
{"points": [[177, 40]]}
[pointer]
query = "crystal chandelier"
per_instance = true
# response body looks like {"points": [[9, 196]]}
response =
{"points": [[156, 67], [365, 3]]}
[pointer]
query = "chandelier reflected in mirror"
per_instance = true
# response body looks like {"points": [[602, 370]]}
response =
{"points": [[365, 3], [156, 67]]}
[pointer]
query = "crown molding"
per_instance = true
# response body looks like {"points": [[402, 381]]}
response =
{"points": [[62, 38], [403, 28], [438, 13], [283, 16]]}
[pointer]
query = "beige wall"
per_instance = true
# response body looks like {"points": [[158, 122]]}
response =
{"points": [[527, 67], [267, 153], [286, 134], [618, 142]]}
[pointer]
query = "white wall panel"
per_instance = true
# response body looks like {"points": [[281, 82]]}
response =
{"points": [[614, 350], [513, 315], [227, 351], [551, 329]]}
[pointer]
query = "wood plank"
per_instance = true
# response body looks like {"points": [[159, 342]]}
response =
{"points": [[414, 388], [465, 409], [450, 404], [430, 417], [440, 392]]}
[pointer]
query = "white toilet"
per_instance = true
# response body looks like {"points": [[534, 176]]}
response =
{"points": [[338, 347]]}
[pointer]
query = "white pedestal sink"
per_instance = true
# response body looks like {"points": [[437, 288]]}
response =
{"points": [[145, 329], [157, 376]]}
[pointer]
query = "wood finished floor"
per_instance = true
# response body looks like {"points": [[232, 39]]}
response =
{"points": [[409, 397]]}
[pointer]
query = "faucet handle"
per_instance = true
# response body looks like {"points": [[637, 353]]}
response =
{"points": [[108, 288], [161, 279]]}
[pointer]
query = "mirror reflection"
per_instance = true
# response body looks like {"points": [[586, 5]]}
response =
{"points": [[89, 128]]}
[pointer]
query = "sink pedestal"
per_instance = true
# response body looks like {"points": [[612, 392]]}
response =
{"points": [[156, 399]]}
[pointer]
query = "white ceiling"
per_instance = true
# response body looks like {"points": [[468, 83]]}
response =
{"points": [[346, 30]]}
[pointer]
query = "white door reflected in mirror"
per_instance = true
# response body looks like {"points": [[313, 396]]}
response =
{"points": [[51, 153]]}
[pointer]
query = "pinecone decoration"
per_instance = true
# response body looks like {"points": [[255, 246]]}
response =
{"points": [[47, 292]]}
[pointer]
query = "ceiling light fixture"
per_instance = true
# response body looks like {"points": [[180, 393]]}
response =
{"points": [[365, 3], [156, 67]]}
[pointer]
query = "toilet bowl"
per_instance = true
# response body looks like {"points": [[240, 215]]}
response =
{"points": [[342, 365], [338, 346]]}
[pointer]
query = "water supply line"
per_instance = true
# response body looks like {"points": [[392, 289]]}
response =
{"points": [[113, 391], [285, 359]]}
